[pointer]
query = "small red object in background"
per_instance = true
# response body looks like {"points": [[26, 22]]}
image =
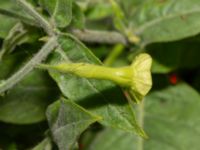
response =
{"points": [[80, 146], [173, 78]]}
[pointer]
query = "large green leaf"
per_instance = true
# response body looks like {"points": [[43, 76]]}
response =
{"points": [[174, 55], [78, 19], [99, 96], [167, 20], [99, 10], [112, 139], [171, 119], [26, 102], [60, 11], [67, 121]]}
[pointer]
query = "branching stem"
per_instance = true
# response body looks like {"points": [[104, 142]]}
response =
{"points": [[32, 12], [141, 123], [19, 75]]}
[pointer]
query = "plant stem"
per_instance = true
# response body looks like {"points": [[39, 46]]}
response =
{"points": [[117, 50], [38, 58], [141, 123], [93, 36], [32, 12], [87, 35], [50, 45]]}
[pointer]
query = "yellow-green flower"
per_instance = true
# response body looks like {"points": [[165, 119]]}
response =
{"points": [[136, 77]]}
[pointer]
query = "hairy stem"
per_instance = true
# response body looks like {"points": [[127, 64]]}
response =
{"points": [[90, 36], [93, 36], [141, 123], [117, 50], [87, 35], [32, 12], [38, 58]]}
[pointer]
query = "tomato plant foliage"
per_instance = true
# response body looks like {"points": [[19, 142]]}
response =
{"points": [[47, 109]]}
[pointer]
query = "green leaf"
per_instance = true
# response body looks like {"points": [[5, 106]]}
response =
{"points": [[173, 114], [13, 38], [10, 14], [6, 22], [174, 55], [168, 20], [27, 101], [78, 19], [18, 34], [119, 18], [60, 11], [44, 145], [99, 10], [112, 139], [99, 96], [196, 81], [6, 25], [171, 119], [67, 121]]}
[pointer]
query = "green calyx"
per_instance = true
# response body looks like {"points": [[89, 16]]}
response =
{"points": [[136, 77]]}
